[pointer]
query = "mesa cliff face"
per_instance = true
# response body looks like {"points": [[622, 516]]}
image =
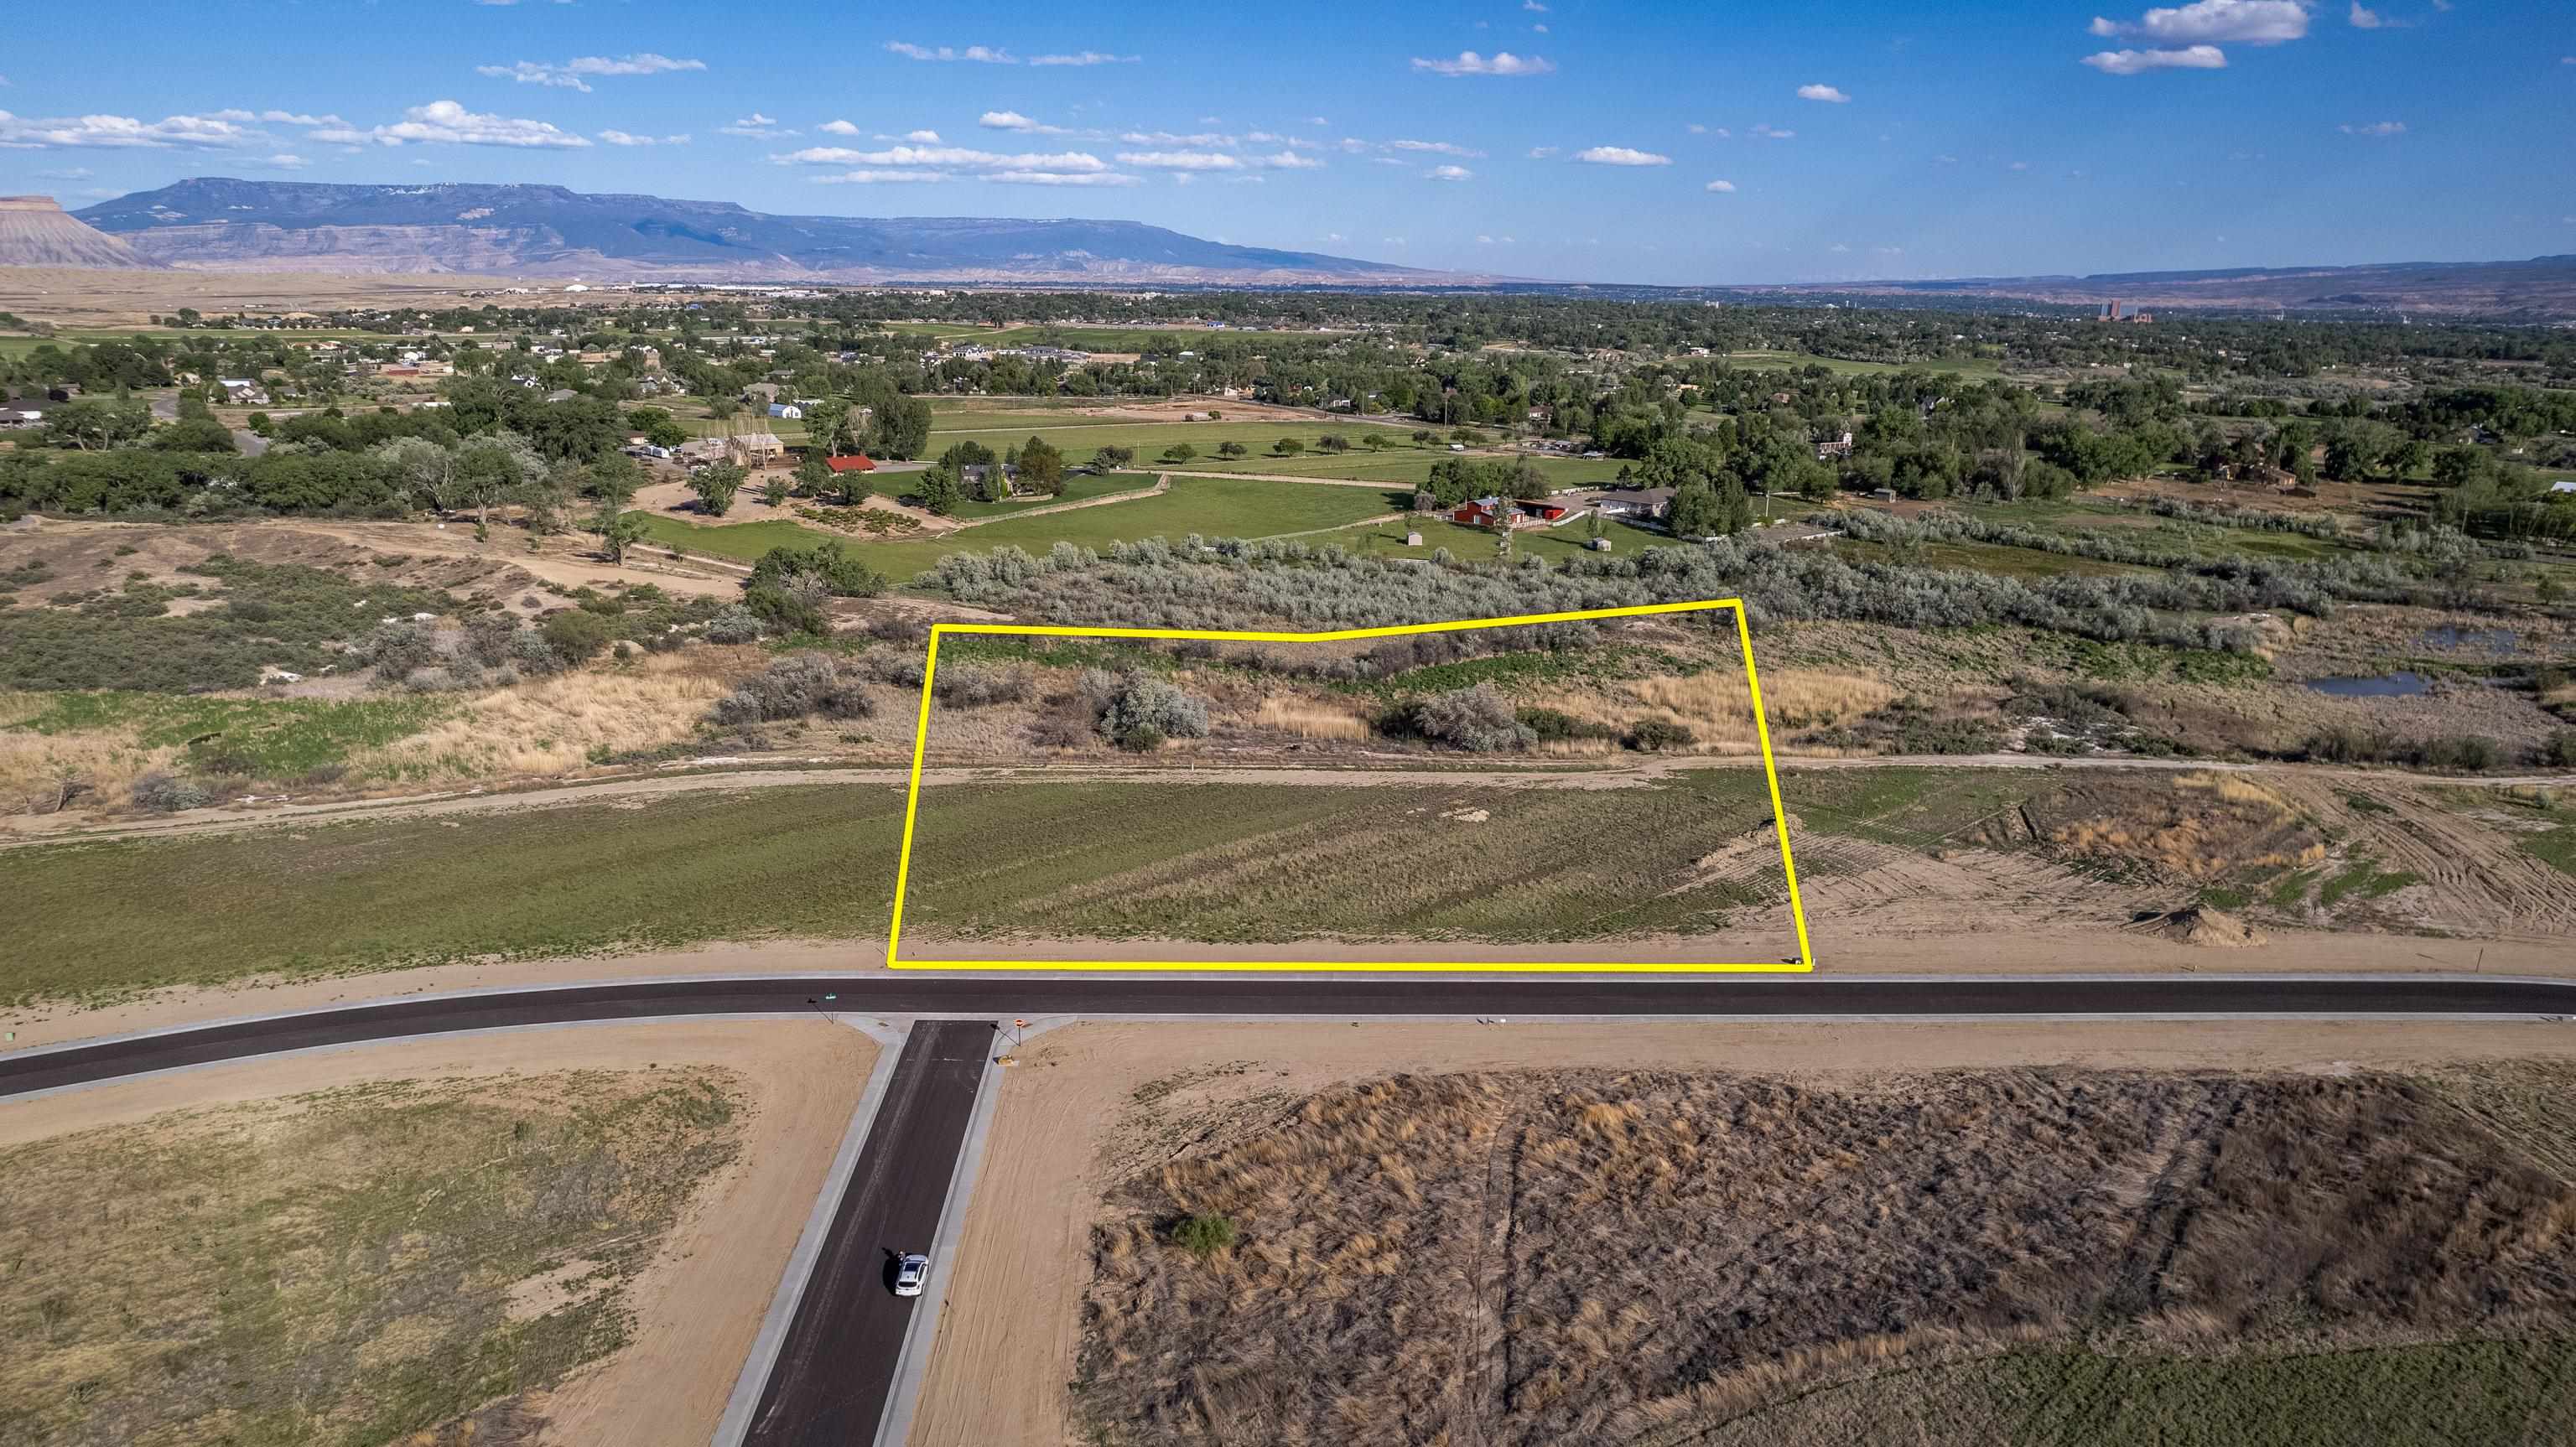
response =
{"points": [[34, 231]]}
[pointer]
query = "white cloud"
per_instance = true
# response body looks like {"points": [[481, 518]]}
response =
{"points": [[757, 126], [2139, 62], [1533, 7], [73, 173], [2365, 18], [1437, 148], [622, 138], [1332, 236], [1771, 133], [529, 72], [942, 157], [1014, 121], [2018, 166], [445, 122], [1501, 62], [2377, 128], [277, 118], [1288, 161], [1063, 178], [838, 128], [28, 133], [1180, 160], [1621, 156], [2251, 22], [1823, 93], [1201, 139], [983, 53], [286, 161], [1538, 30], [569, 75], [1541, 153], [1085, 57], [1722, 187], [1838, 248], [876, 178], [1448, 173], [1317, 121], [922, 138], [1392, 240]]}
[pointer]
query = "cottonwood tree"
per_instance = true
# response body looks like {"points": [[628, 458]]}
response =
{"points": [[716, 485]]}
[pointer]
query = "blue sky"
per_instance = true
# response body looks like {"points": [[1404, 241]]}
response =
{"points": [[1570, 139]]}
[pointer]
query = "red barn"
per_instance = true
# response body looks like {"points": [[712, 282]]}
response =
{"points": [[855, 462]]}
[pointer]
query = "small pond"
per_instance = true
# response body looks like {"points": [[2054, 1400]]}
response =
{"points": [[2402, 684]]}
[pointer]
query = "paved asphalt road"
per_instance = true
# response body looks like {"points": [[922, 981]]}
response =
{"points": [[991, 997], [829, 1384]]}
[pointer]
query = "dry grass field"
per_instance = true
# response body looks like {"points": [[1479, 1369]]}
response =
{"points": [[1554, 1256], [354, 1265], [550, 1236]]}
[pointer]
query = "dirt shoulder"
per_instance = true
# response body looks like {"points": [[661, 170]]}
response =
{"points": [[1386, 769], [1088, 1105], [700, 1302]]}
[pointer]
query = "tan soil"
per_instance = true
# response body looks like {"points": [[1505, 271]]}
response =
{"points": [[1071, 1124], [701, 1301]]}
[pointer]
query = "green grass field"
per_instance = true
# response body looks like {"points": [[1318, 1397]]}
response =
{"points": [[1208, 861], [1210, 506], [1077, 442], [1409, 466], [1076, 489]]}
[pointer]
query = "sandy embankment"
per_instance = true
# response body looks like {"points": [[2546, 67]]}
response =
{"points": [[1011, 1327], [701, 1301]]}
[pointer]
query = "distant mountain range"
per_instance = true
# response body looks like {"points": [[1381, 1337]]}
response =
{"points": [[217, 223], [2542, 289]]}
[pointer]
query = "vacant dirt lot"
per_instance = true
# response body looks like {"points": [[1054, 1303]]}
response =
{"points": [[682, 1284], [1093, 1113]]}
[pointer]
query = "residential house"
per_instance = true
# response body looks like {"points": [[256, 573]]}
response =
{"points": [[243, 391], [1641, 502], [763, 393], [1482, 511], [787, 411], [1840, 447]]}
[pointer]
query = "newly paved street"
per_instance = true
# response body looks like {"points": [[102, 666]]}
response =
{"points": [[830, 1381], [992, 997]]}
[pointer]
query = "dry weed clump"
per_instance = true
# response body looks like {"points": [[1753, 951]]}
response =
{"points": [[2205, 826], [1309, 720], [556, 725], [1718, 705], [1545, 1258], [35, 767]]}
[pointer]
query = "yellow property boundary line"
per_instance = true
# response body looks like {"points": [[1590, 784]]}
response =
{"points": [[1805, 963]]}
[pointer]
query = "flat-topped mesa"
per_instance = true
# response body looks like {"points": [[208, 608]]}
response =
{"points": [[29, 203]]}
